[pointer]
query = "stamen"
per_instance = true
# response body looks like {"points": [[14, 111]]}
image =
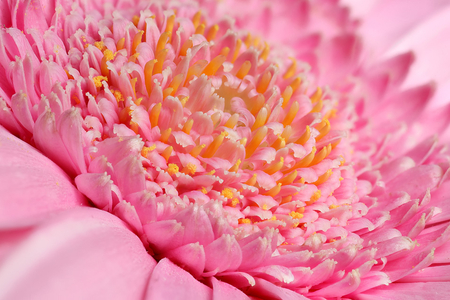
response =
{"points": [[196, 19], [287, 132], [154, 114], [243, 141], [305, 136], [188, 126], [214, 65], [184, 100], [279, 143], [275, 167], [148, 73], [169, 25], [146, 150], [256, 103], [160, 58], [190, 169], [260, 118], [293, 110], [248, 40], [232, 121], [135, 20], [296, 215], [264, 82], [317, 95], [274, 191], [252, 180], [136, 41], [167, 152], [243, 70], [235, 167], [215, 118], [107, 56], [167, 92], [197, 149], [212, 148], [227, 193], [188, 44], [288, 179], [176, 82], [225, 51], [296, 84], [320, 156], [287, 94], [324, 177], [200, 29], [98, 81], [165, 134], [163, 39], [212, 32], [324, 130], [305, 160], [133, 85], [256, 141], [195, 69], [237, 50], [286, 199], [291, 70], [265, 52], [234, 202], [120, 44], [317, 108], [173, 169], [244, 221], [314, 197]]}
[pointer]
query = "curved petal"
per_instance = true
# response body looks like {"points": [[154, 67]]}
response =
{"points": [[83, 253], [30, 183], [171, 282]]}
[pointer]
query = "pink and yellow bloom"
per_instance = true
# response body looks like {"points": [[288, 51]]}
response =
{"points": [[220, 150]]}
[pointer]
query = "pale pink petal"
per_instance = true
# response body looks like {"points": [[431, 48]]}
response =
{"points": [[31, 184], [114, 263], [171, 282]]}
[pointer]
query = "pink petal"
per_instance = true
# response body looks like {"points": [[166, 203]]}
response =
{"points": [[83, 253], [31, 184], [390, 20], [171, 282], [224, 291], [408, 291]]}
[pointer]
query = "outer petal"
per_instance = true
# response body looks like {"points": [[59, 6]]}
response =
{"points": [[83, 253], [171, 282], [30, 183]]}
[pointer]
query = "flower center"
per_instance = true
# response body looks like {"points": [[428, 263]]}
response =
{"points": [[229, 129]]}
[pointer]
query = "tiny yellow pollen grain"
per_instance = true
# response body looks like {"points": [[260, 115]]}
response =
{"points": [[108, 54], [204, 190], [234, 202], [341, 178], [333, 206], [100, 45], [296, 215], [191, 168], [98, 80], [244, 221], [274, 218], [118, 95], [227, 193], [146, 150], [173, 169], [264, 207]]}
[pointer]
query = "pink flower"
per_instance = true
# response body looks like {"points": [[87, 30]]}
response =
{"points": [[223, 150]]}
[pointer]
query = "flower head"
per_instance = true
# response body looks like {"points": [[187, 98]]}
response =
{"points": [[242, 163]]}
